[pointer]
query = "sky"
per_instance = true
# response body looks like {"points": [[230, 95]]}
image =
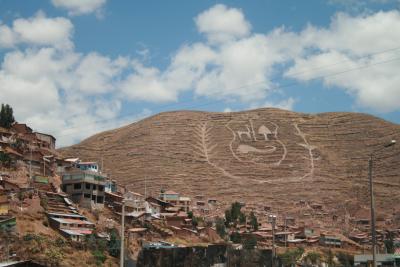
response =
{"points": [[73, 68]]}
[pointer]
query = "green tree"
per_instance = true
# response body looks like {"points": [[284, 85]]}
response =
{"points": [[6, 116], [345, 259], [389, 243], [190, 214], [330, 258], [228, 217], [235, 237], [291, 256], [253, 221], [249, 243], [235, 211], [313, 257], [220, 225], [54, 256], [5, 159], [99, 257], [242, 218], [114, 244], [195, 221]]}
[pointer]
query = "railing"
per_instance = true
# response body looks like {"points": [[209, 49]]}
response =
{"points": [[83, 175]]}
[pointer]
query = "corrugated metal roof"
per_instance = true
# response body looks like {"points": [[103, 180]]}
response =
{"points": [[75, 221], [77, 232]]}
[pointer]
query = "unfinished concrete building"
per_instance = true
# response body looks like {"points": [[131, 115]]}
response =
{"points": [[85, 188]]}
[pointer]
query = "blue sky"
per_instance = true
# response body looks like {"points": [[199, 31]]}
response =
{"points": [[76, 67]]}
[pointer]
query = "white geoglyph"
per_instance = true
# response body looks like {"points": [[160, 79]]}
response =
{"points": [[205, 147]]}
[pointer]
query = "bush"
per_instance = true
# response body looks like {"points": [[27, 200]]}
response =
{"points": [[345, 259], [250, 242], [54, 256], [99, 257], [290, 257], [220, 227], [114, 244], [59, 242], [253, 221], [28, 237], [235, 237]]}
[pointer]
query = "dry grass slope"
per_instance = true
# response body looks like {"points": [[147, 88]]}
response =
{"points": [[266, 155]]}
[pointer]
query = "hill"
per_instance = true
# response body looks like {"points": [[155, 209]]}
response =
{"points": [[265, 156]]}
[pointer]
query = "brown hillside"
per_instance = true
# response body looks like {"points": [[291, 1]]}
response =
{"points": [[266, 155]]}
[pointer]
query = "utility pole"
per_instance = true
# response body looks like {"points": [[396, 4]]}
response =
{"points": [[30, 166], [285, 231], [145, 187], [273, 221], [122, 235], [372, 200]]}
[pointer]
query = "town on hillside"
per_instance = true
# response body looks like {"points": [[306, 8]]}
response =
{"points": [[57, 211]]}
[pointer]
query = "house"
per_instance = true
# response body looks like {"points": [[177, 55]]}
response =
{"points": [[4, 205], [136, 201], [176, 200], [111, 186], [290, 221], [176, 220], [21, 128], [284, 236], [74, 229], [7, 223], [158, 204], [329, 240], [212, 201], [12, 153], [381, 260], [10, 186], [317, 206], [360, 238], [85, 188], [88, 166], [45, 140], [63, 217]]}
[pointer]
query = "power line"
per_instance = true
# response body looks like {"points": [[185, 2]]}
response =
{"points": [[249, 85]]}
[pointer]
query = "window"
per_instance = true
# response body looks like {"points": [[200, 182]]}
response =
{"points": [[93, 197], [87, 186], [99, 199], [77, 186], [101, 188], [94, 187], [86, 195]]}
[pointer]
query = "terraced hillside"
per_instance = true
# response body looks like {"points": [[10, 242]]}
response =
{"points": [[269, 156]]}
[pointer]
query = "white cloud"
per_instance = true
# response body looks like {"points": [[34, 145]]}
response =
{"points": [[73, 95], [286, 104], [242, 66], [96, 73], [221, 24], [38, 30], [358, 35], [44, 87], [352, 43], [80, 7]]}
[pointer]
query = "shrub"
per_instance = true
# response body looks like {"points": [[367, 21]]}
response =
{"points": [[235, 237], [220, 227], [99, 257], [250, 243]]}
